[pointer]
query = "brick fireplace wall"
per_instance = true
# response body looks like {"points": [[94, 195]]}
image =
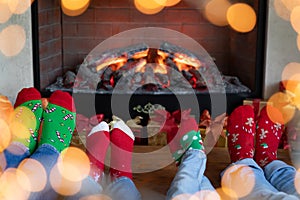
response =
{"points": [[65, 41]]}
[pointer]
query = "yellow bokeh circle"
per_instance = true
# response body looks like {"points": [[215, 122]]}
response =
{"points": [[241, 17]]}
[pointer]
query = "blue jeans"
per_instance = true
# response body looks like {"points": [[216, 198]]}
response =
{"points": [[274, 181], [47, 155], [190, 178]]}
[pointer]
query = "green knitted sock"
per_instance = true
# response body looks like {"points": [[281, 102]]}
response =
{"points": [[59, 121], [191, 140], [28, 105]]}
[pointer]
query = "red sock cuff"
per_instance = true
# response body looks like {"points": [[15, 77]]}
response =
{"points": [[63, 99], [27, 94]]}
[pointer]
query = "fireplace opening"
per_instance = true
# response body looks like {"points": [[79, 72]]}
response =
{"points": [[62, 45]]}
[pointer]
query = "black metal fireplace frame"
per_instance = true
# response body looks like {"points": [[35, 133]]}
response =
{"points": [[233, 100]]}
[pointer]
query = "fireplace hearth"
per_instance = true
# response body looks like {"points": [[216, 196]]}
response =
{"points": [[138, 74]]}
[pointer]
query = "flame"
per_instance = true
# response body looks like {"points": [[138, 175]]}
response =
{"points": [[111, 61], [140, 66], [162, 54], [140, 54], [180, 59]]}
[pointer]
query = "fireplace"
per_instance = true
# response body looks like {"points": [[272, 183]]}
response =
{"points": [[96, 42]]}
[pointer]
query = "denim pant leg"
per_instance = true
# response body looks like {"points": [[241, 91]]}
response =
{"points": [[189, 178], [247, 171], [281, 176], [13, 155], [47, 156], [122, 188]]}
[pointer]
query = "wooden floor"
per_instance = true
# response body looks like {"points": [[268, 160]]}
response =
{"points": [[154, 172]]}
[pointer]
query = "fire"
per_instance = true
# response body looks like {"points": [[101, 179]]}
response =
{"points": [[184, 60]]}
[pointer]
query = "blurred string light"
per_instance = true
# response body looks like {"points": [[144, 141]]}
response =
{"points": [[215, 12], [71, 168], [241, 17], [167, 3], [12, 40], [74, 7], [149, 7], [294, 17]]}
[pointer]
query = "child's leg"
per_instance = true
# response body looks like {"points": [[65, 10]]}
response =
{"points": [[21, 127], [240, 133], [59, 121], [28, 112], [269, 131], [122, 140], [97, 142]]}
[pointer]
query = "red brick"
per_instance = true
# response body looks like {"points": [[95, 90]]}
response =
{"points": [[50, 48], [207, 31], [137, 16], [112, 15], [79, 45], [71, 60], [54, 16], [50, 32], [69, 29], [46, 4], [51, 63], [87, 16], [183, 16]]}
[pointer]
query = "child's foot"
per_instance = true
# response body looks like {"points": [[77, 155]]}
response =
{"points": [[28, 105], [59, 121], [240, 133], [97, 142], [122, 140], [268, 134], [187, 137]]}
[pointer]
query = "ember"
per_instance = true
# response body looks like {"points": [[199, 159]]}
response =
{"points": [[152, 70]]}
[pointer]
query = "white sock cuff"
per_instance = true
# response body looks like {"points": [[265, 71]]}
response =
{"points": [[102, 126], [122, 126]]}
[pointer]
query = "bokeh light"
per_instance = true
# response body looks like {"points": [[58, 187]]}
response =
{"points": [[240, 179], [289, 70], [205, 195], [96, 197], [297, 181], [241, 17], [73, 164], [5, 135], [36, 174], [282, 101], [215, 12], [167, 3], [23, 122], [74, 7], [10, 187], [148, 7], [298, 42], [281, 10], [290, 4], [12, 40], [6, 109], [292, 83], [223, 193], [5, 12], [295, 15], [274, 114], [62, 185], [182, 196], [19, 6]]}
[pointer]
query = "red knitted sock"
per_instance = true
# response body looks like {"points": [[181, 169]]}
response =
{"points": [[268, 135], [122, 140], [240, 133], [97, 142], [168, 126]]}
